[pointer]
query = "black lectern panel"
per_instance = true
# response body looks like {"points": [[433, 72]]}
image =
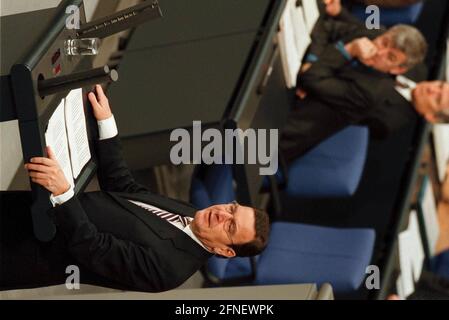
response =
{"points": [[168, 88], [194, 20], [192, 65]]}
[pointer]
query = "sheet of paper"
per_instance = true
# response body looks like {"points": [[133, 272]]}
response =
{"points": [[311, 13], [430, 215], [441, 146], [416, 246], [407, 282], [56, 138], [76, 131], [291, 61], [301, 33], [400, 287], [411, 254]]}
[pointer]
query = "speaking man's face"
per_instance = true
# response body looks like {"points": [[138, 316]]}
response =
{"points": [[431, 98], [221, 226]]}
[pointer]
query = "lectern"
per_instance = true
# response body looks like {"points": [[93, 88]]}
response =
{"points": [[45, 75]]}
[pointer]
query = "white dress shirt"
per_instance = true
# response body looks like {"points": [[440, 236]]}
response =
{"points": [[405, 87]]}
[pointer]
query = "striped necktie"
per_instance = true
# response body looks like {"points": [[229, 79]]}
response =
{"points": [[171, 217]]}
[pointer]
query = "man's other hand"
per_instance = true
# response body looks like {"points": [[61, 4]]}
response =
{"points": [[47, 173], [100, 104], [362, 49], [333, 7], [305, 67]]}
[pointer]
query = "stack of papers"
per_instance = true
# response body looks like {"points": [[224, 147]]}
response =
{"points": [[441, 146], [428, 208], [311, 13], [67, 135], [293, 39], [411, 257]]}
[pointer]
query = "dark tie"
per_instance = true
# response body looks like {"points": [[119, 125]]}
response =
{"points": [[171, 217]]}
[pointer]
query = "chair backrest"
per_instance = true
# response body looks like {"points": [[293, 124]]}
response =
{"points": [[332, 168], [391, 16], [212, 184]]}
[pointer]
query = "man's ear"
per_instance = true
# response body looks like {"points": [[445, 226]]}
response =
{"points": [[226, 252], [398, 70]]}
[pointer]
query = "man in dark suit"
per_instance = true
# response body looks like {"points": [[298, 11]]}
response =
{"points": [[349, 78], [122, 236]]}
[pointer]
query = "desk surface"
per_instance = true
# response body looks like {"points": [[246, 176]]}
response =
{"points": [[274, 292], [185, 66]]}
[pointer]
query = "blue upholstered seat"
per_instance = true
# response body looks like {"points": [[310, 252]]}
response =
{"points": [[440, 264], [392, 16], [333, 168], [299, 253], [296, 253]]}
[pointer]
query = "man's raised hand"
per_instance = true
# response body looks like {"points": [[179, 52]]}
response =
{"points": [[362, 49], [100, 104]]}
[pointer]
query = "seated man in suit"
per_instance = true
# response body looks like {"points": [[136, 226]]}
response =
{"points": [[351, 79], [122, 236]]}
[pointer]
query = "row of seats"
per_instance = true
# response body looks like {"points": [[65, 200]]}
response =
{"points": [[296, 253], [333, 168], [300, 253]]}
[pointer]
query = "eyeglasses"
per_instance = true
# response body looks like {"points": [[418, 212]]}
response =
{"points": [[229, 227]]}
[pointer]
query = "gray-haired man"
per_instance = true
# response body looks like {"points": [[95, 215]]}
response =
{"points": [[349, 78]]}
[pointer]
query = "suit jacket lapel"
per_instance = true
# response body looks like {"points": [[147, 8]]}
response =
{"points": [[164, 229]]}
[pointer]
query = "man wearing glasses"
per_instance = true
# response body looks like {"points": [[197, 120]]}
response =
{"points": [[122, 236], [355, 76]]}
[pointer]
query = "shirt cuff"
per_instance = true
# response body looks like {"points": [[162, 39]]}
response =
{"points": [[341, 47], [58, 200], [107, 128]]}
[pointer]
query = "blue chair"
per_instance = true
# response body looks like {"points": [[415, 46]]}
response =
{"points": [[296, 253], [333, 168], [392, 16], [299, 253], [440, 265]]}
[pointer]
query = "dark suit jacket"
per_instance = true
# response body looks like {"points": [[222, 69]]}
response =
{"points": [[116, 243], [340, 94], [344, 27]]}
